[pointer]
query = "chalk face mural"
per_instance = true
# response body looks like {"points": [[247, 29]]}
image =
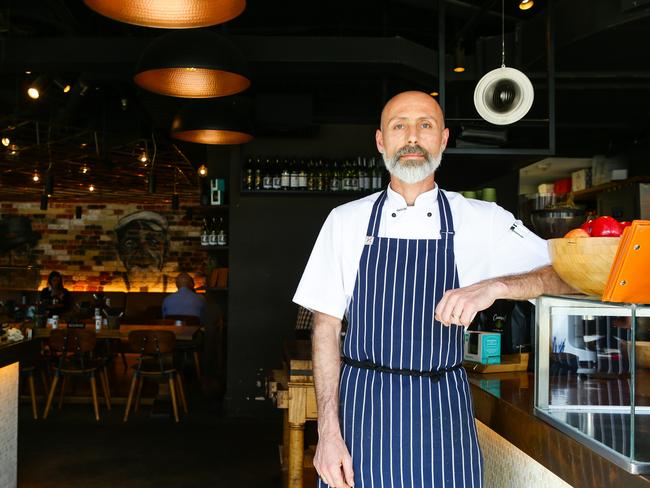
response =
{"points": [[17, 257], [142, 245]]}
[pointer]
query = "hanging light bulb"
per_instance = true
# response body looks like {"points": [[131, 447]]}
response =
{"points": [[459, 59], [35, 89], [143, 157], [84, 169], [36, 177], [91, 187], [6, 141], [526, 4], [203, 171], [434, 93]]}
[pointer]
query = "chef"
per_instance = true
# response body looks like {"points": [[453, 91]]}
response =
{"points": [[409, 267]]}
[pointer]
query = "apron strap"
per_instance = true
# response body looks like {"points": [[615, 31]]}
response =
{"points": [[375, 216]]}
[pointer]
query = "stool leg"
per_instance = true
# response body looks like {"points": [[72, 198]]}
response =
{"points": [[48, 404], [103, 376], [181, 392], [128, 401], [32, 392], [62, 393], [138, 396], [172, 392], [93, 388], [197, 364]]}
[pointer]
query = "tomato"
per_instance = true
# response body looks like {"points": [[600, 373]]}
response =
{"points": [[625, 224], [580, 232], [587, 226], [605, 226]]}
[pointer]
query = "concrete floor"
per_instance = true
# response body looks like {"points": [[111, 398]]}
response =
{"points": [[71, 449]]}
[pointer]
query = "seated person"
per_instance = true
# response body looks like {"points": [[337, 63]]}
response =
{"points": [[185, 301], [54, 298]]}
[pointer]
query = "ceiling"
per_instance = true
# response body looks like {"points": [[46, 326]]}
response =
{"points": [[323, 61]]}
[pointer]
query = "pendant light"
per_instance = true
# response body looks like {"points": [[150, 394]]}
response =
{"points": [[504, 95], [219, 121], [193, 63], [169, 14]]}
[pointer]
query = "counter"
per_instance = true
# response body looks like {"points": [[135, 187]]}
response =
{"points": [[503, 402], [10, 354]]}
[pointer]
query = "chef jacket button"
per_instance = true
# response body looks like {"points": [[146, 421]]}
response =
{"points": [[429, 214], [394, 214]]}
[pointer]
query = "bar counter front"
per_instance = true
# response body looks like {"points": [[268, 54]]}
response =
{"points": [[519, 448]]}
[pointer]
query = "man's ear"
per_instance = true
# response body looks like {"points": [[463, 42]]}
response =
{"points": [[379, 140], [445, 137]]}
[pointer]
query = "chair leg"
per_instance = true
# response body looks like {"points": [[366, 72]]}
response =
{"points": [[103, 376], [138, 396], [32, 392], [126, 367], [181, 392], [130, 398], [48, 404], [197, 364], [93, 389], [172, 392], [44, 380], [62, 393]]}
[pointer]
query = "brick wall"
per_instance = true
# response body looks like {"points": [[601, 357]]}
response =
{"points": [[84, 250]]}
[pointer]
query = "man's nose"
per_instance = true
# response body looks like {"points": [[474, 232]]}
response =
{"points": [[412, 135]]}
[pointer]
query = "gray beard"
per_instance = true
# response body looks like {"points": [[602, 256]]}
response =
{"points": [[412, 173]]}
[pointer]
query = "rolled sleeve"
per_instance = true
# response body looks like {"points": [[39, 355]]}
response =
{"points": [[321, 288]]}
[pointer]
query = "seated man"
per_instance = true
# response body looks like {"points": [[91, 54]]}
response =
{"points": [[185, 301]]}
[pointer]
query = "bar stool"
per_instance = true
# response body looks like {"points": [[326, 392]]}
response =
{"points": [[74, 349], [156, 348]]}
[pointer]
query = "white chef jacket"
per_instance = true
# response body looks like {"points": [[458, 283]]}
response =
{"points": [[488, 242]]}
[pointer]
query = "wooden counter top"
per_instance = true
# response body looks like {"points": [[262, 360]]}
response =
{"points": [[504, 402]]}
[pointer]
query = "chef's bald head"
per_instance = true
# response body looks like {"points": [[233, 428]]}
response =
{"points": [[411, 101]]}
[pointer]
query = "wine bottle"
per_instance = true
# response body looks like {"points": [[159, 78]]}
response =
{"points": [[222, 236], [205, 239], [277, 174], [295, 179], [248, 175], [286, 175], [267, 179]]}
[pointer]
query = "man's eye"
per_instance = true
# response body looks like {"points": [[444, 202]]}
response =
{"points": [[398, 126], [426, 125]]}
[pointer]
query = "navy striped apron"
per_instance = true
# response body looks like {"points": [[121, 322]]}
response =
{"points": [[404, 430]]}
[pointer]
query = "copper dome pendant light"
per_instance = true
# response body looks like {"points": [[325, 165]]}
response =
{"points": [[217, 121], [169, 14], [192, 64]]}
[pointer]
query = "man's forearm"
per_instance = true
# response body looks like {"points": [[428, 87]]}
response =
{"points": [[327, 368], [532, 284]]}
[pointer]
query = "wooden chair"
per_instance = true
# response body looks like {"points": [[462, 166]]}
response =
{"points": [[156, 348], [74, 357], [193, 346]]}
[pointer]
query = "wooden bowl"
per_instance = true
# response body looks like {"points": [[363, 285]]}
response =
{"points": [[584, 262]]}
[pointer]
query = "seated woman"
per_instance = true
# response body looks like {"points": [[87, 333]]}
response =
{"points": [[54, 298]]}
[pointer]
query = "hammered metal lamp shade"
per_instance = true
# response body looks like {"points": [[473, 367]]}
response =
{"points": [[169, 14], [219, 121], [192, 64]]}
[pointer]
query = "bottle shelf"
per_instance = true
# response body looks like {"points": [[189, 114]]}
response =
{"points": [[210, 208], [306, 192], [215, 248]]}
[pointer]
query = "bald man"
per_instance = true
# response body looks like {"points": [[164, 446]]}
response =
{"points": [[185, 301], [410, 267]]}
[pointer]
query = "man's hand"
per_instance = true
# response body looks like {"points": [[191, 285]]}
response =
{"points": [[461, 305], [333, 462]]}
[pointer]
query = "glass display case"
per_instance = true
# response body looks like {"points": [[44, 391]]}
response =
{"points": [[592, 375]]}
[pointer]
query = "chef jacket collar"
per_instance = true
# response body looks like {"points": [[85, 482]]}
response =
{"points": [[425, 201]]}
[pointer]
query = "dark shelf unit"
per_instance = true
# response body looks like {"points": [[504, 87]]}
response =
{"points": [[215, 248], [306, 193]]}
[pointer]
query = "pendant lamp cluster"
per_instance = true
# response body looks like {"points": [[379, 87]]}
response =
{"points": [[191, 63]]}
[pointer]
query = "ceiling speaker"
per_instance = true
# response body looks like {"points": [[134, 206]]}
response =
{"points": [[503, 96]]}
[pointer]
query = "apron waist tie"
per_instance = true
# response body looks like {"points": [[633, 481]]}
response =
{"points": [[434, 375]]}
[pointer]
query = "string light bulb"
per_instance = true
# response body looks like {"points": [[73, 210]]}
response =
{"points": [[143, 157], [526, 4], [36, 177], [84, 169], [91, 187], [203, 171], [6, 141]]}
